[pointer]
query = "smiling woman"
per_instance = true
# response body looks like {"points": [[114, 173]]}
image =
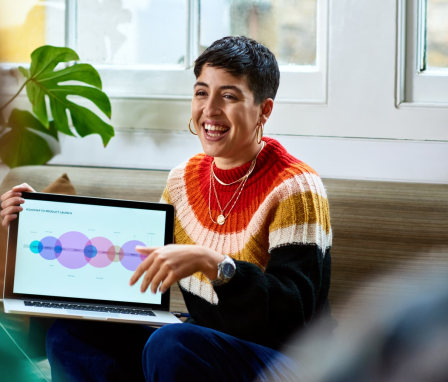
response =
{"points": [[251, 249]]}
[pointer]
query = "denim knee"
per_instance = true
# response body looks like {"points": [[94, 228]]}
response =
{"points": [[165, 341], [55, 335], [170, 355]]}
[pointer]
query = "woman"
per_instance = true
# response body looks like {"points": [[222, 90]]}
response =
{"points": [[252, 252]]}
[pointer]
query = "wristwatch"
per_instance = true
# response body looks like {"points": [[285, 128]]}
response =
{"points": [[226, 270]]}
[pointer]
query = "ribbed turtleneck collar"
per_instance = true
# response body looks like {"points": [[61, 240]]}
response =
{"points": [[235, 173]]}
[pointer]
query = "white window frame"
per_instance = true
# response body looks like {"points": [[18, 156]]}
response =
{"points": [[299, 84], [414, 86], [148, 86]]}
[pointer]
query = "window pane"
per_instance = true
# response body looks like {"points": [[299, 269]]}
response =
{"points": [[287, 27], [28, 24], [437, 34], [132, 32]]}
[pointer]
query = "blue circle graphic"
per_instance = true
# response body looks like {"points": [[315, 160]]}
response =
{"points": [[90, 251]]}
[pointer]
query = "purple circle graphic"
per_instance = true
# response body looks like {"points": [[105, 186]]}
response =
{"points": [[102, 258], [131, 259], [50, 246], [72, 255]]}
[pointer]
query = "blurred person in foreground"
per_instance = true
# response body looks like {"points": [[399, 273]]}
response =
{"points": [[252, 245], [400, 335]]}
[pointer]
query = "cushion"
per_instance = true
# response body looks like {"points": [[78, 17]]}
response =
{"points": [[61, 185]]}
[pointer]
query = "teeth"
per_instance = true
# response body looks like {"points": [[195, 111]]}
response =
{"points": [[215, 128]]}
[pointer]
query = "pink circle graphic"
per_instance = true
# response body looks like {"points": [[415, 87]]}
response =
{"points": [[102, 258], [72, 255], [131, 259]]}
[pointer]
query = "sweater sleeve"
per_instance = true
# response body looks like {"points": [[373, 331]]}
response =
{"points": [[268, 305]]}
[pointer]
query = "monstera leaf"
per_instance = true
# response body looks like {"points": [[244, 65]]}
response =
{"points": [[27, 140], [45, 81]]}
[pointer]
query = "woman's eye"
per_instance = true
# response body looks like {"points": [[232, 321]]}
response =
{"points": [[229, 96], [200, 93]]}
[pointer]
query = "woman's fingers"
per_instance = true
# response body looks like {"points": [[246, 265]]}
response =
{"points": [[159, 276], [10, 194], [24, 187], [167, 282], [16, 191], [147, 280], [10, 208], [144, 265], [10, 203], [8, 219], [156, 268]]}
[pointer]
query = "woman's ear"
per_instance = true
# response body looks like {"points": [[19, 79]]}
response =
{"points": [[266, 109]]}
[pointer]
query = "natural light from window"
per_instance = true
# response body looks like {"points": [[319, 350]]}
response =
{"points": [[287, 27], [133, 32], [28, 24], [146, 48], [437, 34]]}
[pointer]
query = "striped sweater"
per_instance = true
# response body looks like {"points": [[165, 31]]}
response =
{"points": [[278, 233]]}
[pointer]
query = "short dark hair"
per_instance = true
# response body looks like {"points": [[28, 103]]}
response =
{"points": [[242, 56]]}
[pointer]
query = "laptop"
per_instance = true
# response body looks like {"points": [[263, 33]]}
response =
{"points": [[73, 256]]}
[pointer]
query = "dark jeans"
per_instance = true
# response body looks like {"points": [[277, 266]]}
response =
{"points": [[96, 351]]}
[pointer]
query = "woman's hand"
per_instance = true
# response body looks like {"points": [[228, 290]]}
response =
{"points": [[11, 201], [166, 265]]}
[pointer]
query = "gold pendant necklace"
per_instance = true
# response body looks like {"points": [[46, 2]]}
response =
{"points": [[222, 217]]}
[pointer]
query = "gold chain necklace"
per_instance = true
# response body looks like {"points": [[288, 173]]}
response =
{"points": [[222, 217], [251, 168]]}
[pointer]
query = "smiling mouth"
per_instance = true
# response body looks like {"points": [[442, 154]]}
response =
{"points": [[215, 131]]}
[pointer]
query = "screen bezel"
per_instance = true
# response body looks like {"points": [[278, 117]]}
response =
{"points": [[75, 199]]}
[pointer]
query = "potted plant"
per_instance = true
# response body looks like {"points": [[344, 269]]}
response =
{"points": [[31, 137]]}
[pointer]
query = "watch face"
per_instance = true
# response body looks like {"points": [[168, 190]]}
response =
{"points": [[228, 270]]}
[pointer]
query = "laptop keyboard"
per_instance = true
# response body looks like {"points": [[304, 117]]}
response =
{"points": [[92, 308]]}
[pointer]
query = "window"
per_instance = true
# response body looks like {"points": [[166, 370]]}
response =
{"points": [[423, 53], [24, 26], [288, 27], [145, 48], [436, 52], [131, 33]]}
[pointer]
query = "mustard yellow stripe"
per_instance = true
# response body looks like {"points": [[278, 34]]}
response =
{"points": [[302, 208], [166, 196]]}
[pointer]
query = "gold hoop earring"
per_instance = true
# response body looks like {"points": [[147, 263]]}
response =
{"points": [[189, 127], [260, 127]]}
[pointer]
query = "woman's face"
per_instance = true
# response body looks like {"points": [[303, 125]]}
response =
{"points": [[225, 117]]}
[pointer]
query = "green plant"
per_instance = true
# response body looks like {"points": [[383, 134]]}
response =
{"points": [[32, 137]]}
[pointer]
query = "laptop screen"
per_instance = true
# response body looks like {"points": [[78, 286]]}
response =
{"points": [[84, 248]]}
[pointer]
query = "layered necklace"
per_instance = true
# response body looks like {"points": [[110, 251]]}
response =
{"points": [[236, 195]]}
